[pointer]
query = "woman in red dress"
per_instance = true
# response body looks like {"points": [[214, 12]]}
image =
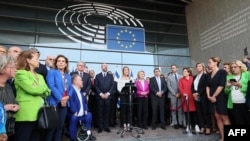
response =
{"points": [[185, 88]]}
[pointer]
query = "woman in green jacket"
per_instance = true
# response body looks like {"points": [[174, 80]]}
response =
{"points": [[30, 88], [236, 88]]}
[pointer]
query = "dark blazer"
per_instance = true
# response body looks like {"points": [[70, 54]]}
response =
{"points": [[42, 69], [104, 84], [201, 90], [154, 87], [86, 82], [74, 103], [12, 85]]}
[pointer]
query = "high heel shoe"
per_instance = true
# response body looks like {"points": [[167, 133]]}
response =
{"points": [[208, 131], [202, 131]]}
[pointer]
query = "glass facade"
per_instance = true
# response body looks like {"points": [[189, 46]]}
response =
{"points": [[38, 24]]}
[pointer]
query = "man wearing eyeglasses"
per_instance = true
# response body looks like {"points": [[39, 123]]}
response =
{"points": [[85, 76]]}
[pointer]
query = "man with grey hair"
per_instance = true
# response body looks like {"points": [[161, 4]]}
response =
{"points": [[85, 77], [14, 51], [49, 62]]}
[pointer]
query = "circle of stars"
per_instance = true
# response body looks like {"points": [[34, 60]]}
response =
{"points": [[125, 31]]}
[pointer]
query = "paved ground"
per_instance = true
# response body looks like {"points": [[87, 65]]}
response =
{"points": [[170, 134]]}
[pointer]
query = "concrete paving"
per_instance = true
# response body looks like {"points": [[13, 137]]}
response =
{"points": [[170, 134]]}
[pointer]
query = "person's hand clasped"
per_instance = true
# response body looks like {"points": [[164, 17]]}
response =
{"points": [[64, 101], [212, 99], [177, 95]]}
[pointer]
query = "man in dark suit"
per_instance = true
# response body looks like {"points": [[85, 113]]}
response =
{"points": [[104, 84], [14, 52], [114, 97], [158, 88], [85, 77], [92, 102]]}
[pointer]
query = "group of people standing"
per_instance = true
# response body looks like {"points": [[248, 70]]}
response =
{"points": [[213, 94], [25, 82]]}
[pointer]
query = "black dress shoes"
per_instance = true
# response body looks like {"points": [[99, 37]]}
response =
{"points": [[176, 126], [107, 130], [92, 138], [163, 127], [99, 130]]}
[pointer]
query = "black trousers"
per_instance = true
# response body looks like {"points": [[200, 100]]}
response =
{"points": [[93, 108], [142, 112], [240, 114], [125, 112], [112, 119], [26, 131], [203, 116], [158, 104], [191, 120], [103, 112]]}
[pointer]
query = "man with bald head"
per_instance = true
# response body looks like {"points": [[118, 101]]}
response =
{"points": [[104, 83], [14, 51], [49, 62]]}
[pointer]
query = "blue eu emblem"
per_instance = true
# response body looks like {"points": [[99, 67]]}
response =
{"points": [[125, 38]]}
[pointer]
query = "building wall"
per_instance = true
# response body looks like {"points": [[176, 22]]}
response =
{"points": [[32, 23], [218, 28]]}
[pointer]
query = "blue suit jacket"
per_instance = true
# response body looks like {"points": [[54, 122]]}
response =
{"points": [[74, 103], [56, 85], [104, 84]]}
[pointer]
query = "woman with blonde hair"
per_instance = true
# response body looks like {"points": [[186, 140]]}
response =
{"points": [[201, 100], [236, 89], [142, 94]]}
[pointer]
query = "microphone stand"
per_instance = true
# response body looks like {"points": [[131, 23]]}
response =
{"points": [[130, 90]]}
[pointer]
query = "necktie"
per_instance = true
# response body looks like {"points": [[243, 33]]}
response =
{"points": [[176, 77], [104, 74], [81, 74]]}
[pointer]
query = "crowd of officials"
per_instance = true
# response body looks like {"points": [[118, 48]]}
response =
{"points": [[203, 99]]}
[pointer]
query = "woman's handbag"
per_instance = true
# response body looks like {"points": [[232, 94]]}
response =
{"points": [[47, 116], [10, 126]]}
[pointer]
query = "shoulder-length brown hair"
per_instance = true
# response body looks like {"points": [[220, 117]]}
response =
{"points": [[22, 63], [66, 69], [189, 70]]}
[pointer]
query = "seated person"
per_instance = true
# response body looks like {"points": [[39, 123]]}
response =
{"points": [[78, 110], [3, 135]]}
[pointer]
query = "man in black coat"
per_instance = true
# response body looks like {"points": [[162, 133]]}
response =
{"points": [[158, 88], [104, 85], [85, 77]]}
